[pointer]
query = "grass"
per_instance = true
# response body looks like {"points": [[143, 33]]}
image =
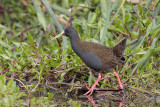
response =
{"points": [[31, 59]]}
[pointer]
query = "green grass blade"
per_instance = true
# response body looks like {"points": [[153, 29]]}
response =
{"points": [[147, 33], [40, 14], [60, 9], [54, 19], [141, 61], [106, 22], [157, 49]]}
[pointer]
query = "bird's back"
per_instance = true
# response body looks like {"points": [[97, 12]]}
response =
{"points": [[100, 57]]}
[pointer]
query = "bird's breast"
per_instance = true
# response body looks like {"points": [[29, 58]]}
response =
{"points": [[88, 57]]}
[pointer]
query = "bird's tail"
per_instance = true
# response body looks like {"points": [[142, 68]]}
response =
{"points": [[119, 48]]}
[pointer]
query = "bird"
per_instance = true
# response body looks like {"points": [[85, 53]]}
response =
{"points": [[96, 56]]}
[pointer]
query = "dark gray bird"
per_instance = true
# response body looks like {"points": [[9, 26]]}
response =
{"points": [[97, 56]]}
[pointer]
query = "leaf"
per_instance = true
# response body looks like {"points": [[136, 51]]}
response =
{"points": [[3, 79], [127, 17], [5, 44], [133, 70], [4, 56], [148, 3], [90, 79], [144, 58], [91, 25], [155, 33], [141, 10], [141, 52], [106, 22], [3, 27], [93, 19], [140, 62], [40, 14], [94, 40], [116, 29], [147, 33], [54, 19], [135, 43], [30, 38], [157, 49], [7, 18], [60, 9], [24, 44], [154, 41], [17, 44]]}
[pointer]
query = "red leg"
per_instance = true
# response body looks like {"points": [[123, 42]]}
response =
{"points": [[92, 101], [93, 86], [119, 81], [120, 104]]}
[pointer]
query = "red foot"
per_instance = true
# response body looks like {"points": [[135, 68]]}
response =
{"points": [[92, 101], [93, 87], [90, 90]]}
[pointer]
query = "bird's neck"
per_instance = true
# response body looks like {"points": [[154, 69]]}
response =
{"points": [[75, 43], [75, 39]]}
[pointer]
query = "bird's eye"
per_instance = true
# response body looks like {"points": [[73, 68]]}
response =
{"points": [[66, 30]]}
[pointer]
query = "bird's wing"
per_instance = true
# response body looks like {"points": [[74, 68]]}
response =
{"points": [[104, 53]]}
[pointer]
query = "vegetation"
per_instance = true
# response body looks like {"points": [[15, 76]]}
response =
{"points": [[38, 69]]}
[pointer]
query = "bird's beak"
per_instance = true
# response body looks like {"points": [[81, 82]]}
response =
{"points": [[62, 34]]}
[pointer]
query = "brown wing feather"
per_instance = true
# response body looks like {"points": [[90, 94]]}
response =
{"points": [[106, 54]]}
